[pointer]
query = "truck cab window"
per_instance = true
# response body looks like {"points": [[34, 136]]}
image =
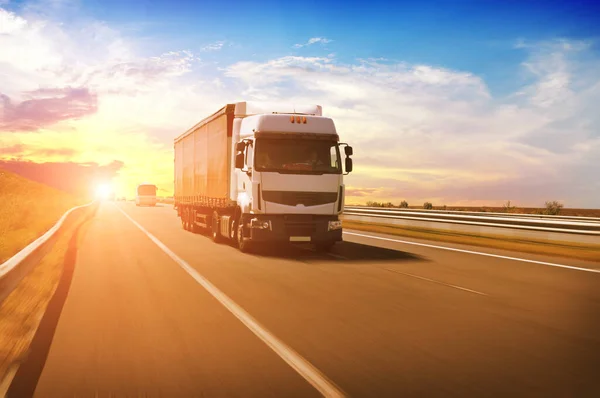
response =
{"points": [[333, 157], [297, 156], [249, 155], [263, 160]]}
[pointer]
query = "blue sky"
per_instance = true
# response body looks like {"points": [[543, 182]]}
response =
{"points": [[474, 35], [451, 102]]}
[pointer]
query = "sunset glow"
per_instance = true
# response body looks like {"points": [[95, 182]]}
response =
{"points": [[322, 198], [103, 191], [94, 98]]}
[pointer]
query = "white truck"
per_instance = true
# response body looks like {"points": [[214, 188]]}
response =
{"points": [[145, 194], [260, 173]]}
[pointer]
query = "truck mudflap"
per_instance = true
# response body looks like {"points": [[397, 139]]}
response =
{"points": [[293, 228]]}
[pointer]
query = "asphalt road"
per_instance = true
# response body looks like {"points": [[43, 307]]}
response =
{"points": [[373, 318]]}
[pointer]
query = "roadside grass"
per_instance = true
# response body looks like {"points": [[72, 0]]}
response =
{"points": [[23, 309], [27, 210], [579, 251]]}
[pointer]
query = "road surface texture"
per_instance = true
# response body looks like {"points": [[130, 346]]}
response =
{"points": [[375, 318]]}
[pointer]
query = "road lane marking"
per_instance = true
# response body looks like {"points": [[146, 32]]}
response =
{"points": [[473, 252], [8, 378], [434, 281], [337, 256], [310, 373]]}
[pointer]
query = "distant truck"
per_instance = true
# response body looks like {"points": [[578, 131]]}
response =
{"points": [[259, 173], [145, 195]]}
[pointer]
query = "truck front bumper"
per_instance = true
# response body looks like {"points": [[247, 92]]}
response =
{"points": [[146, 202], [292, 228]]}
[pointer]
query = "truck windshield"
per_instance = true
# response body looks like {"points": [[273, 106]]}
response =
{"points": [[297, 156], [146, 190]]}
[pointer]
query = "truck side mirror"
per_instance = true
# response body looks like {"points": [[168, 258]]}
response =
{"points": [[348, 150], [239, 161], [240, 146], [348, 165]]}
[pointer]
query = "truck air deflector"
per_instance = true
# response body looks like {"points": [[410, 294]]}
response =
{"points": [[296, 136]]}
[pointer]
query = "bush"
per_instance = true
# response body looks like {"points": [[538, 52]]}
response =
{"points": [[404, 204], [427, 206], [553, 208], [379, 204], [444, 207], [507, 207]]}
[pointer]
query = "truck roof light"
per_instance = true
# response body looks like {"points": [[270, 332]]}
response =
{"points": [[297, 119], [292, 119], [304, 119]]}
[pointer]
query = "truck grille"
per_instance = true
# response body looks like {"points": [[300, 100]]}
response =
{"points": [[300, 229], [294, 198], [305, 224]]}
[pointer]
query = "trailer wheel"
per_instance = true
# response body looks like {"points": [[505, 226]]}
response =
{"points": [[194, 227], [184, 219], [188, 219], [216, 234]]}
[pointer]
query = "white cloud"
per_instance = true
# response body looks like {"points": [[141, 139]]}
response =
{"points": [[135, 95], [216, 46], [423, 132], [420, 132], [10, 23], [314, 40]]}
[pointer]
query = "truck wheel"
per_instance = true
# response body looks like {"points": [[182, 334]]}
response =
{"points": [[216, 234], [324, 247], [244, 245]]}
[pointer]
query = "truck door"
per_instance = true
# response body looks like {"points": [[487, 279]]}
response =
{"points": [[244, 180]]}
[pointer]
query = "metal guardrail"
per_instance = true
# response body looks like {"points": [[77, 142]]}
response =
{"points": [[477, 213], [562, 224], [590, 226], [12, 270]]}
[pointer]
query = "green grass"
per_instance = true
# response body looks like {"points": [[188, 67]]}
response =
{"points": [[27, 210], [580, 251]]}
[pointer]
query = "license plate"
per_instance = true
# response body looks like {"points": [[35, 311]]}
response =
{"points": [[299, 238]]}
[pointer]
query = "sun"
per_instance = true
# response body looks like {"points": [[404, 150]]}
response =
{"points": [[103, 191]]}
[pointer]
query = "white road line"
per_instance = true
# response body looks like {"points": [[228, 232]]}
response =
{"points": [[311, 374], [597, 271], [8, 378], [337, 256], [438, 282]]}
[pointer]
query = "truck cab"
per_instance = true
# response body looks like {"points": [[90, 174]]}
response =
{"points": [[289, 167]]}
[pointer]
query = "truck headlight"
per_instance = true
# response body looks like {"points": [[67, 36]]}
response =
{"points": [[333, 225], [259, 224]]}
